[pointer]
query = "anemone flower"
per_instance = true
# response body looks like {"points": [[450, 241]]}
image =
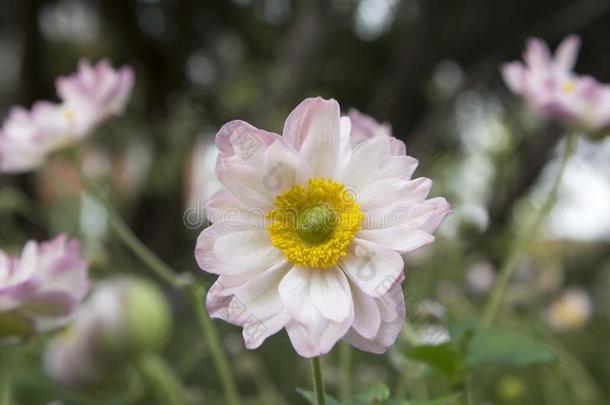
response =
{"points": [[41, 289], [88, 98], [309, 228], [550, 87]]}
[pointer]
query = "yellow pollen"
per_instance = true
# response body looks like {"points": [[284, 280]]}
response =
{"points": [[286, 222], [568, 87], [69, 114]]}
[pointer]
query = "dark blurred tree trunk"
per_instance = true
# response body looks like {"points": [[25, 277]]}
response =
{"points": [[160, 66], [30, 80], [399, 96]]}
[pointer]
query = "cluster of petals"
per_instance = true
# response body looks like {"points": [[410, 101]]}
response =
{"points": [[360, 299], [88, 98], [41, 289], [551, 88]]}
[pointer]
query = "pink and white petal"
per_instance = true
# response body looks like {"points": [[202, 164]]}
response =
{"points": [[513, 75], [72, 280], [264, 313], [367, 316], [260, 295], [330, 293], [537, 55], [345, 145], [238, 138], [402, 237], [413, 215], [397, 147], [215, 253], [365, 127], [281, 164], [223, 206], [391, 192], [295, 290], [310, 332], [218, 304], [221, 293], [567, 52], [367, 158], [318, 337], [255, 332], [28, 263], [388, 331], [247, 298], [313, 129], [442, 208], [373, 268], [246, 251], [399, 167], [204, 249], [245, 182]]}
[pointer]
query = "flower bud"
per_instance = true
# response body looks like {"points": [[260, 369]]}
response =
{"points": [[123, 319], [134, 317]]}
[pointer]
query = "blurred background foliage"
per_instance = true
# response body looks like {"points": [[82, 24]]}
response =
{"points": [[428, 67]]}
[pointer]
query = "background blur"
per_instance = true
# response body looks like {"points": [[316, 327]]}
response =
{"points": [[428, 67]]}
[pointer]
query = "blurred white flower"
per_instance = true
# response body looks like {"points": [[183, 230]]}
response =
{"points": [[571, 310], [480, 277], [433, 334], [201, 175]]}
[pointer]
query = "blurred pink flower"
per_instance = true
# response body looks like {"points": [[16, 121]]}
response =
{"points": [[88, 98], [40, 290], [95, 93], [553, 90], [309, 229]]}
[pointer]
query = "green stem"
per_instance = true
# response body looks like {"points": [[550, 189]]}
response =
{"points": [[345, 363], [5, 377], [318, 383], [468, 392], [211, 335], [164, 272], [508, 265], [161, 378]]}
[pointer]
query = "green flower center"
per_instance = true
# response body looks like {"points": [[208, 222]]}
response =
{"points": [[316, 224]]}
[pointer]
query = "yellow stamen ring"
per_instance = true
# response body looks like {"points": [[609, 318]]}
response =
{"points": [[314, 224]]}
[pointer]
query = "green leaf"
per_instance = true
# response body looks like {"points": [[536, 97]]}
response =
{"points": [[444, 358], [14, 325], [491, 347], [311, 397], [374, 395], [448, 400]]}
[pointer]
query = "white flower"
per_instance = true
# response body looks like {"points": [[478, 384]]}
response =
{"points": [[571, 310], [309, 229]]}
